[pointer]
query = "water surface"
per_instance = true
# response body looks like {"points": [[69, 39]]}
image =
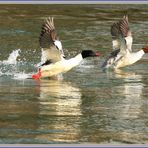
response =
{"points": [[89, 105]]}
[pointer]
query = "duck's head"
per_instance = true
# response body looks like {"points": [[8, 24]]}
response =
{"points": [[89, 53]]}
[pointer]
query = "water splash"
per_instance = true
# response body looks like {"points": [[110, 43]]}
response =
{"points": [[43, 58], [22, 76], [16, 69], [12, 59]]}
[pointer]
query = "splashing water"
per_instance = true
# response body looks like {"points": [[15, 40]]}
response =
{"points": [[43, 58], [15, 69], [22, 75], [12, 59]]}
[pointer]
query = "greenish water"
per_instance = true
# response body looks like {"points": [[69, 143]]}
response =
{"points": [[89, 105]]}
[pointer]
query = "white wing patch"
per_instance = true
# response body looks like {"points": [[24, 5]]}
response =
{"points": [[129, 41], [116, 44], [58, 44], [43, 56]]}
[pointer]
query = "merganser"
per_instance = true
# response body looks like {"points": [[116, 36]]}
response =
{"points": [[122, 54], [53, 55]]}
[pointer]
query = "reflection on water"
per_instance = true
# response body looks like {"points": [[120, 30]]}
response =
{"points": [[61, 96], [128, 110], [133, 94], [132, 107], [88, 105], [47, 116], [59, 99]]}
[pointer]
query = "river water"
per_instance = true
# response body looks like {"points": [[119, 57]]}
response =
{"points": [[88, 106]]}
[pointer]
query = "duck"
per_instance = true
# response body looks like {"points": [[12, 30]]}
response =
{"points": [[53, 57], [122, 40]]}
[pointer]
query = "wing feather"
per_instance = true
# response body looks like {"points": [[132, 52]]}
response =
{"points": [[48, 34], [126, 32], [121, 35], [115, 32], [47, 39]]}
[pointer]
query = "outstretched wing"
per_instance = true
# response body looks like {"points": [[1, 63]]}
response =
{"points": [[115, 32], [48, 33], [124, 27], [121, 35], [52, 47], [121, 40]]}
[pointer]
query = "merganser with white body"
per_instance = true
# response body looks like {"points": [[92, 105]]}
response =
{"points": [[122, 45], [53, 55]]}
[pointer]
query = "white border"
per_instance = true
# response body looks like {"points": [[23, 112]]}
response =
{"points": [[73, 2]]}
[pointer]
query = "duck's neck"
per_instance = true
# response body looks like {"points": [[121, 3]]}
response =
{"points": [[137, 55], [76, 60]]}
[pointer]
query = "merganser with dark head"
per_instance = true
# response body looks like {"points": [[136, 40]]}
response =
{"points": [[122, 54], [53, 55]]}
